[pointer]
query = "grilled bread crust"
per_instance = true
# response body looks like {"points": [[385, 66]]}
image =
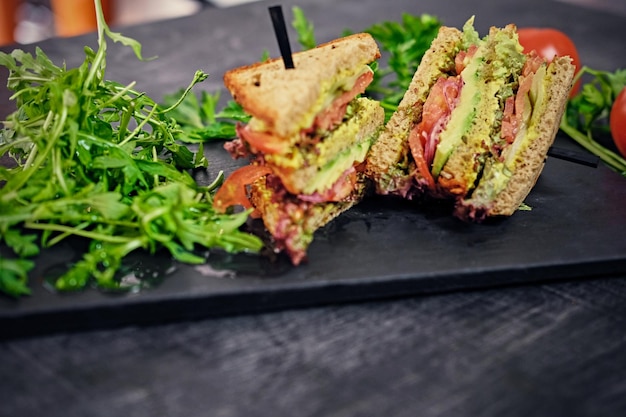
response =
{"points": [[386, 161], [531, 161], [282, 98]]}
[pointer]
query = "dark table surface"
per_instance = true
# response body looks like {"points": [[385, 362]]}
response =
{"points": [[547, 349]]}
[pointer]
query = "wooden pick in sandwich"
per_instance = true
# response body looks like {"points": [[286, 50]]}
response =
{"points": [[574, 156], [280, 29]]}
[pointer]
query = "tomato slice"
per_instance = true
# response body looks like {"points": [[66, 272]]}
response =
{"points": [[617, 122], [435, 108], [462, 58], [234, 192], [262, 142], [515, 108], [442, 99]]}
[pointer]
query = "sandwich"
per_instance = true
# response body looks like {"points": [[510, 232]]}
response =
{"points": [[475, 125], [307, 140]]}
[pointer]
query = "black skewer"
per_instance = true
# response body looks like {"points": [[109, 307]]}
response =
{"points": [[280, 29], [582, 158]]}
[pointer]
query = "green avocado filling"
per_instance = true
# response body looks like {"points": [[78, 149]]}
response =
{"points": [[323, 161], [489, 79], [498, 172], [463, 117], [470, 35]]}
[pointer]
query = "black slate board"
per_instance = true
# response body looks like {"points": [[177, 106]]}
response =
{"points": [[382, 248]]}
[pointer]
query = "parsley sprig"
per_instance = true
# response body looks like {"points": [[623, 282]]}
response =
{"points": [[98, 160], [586, 117], [304, 28], [405, 42]]}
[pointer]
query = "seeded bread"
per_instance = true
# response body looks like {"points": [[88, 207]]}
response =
{"points": [[530, 162], [386, 164], [283, 98]]}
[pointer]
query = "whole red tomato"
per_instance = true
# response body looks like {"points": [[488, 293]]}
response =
{"points": [[549, 43], [617, 122]]}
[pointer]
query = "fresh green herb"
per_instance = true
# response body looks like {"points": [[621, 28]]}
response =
{"points": [[198, 119], [304, 28], [586, 115], [405, 42], [14, 276], [98, 160]]}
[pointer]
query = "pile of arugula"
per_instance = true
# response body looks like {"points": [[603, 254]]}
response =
{"points": [[98, 160]]}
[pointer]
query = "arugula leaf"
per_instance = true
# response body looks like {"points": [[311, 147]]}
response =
{"points": [[189, 112], [199, 121], [101, 161], [14, 276], [586, 116], [233, 111], [22, 244]]}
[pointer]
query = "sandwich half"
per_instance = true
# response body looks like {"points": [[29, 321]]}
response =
{"points": [[307, 140], [475, 124]]}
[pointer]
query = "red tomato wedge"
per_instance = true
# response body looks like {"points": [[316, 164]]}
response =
{"points": [[617, 122], [233, 191], [549, 43]]}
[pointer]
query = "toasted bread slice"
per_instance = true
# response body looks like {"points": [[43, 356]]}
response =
{"points": [[285, 101], [523, 162], [387, 163]]}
